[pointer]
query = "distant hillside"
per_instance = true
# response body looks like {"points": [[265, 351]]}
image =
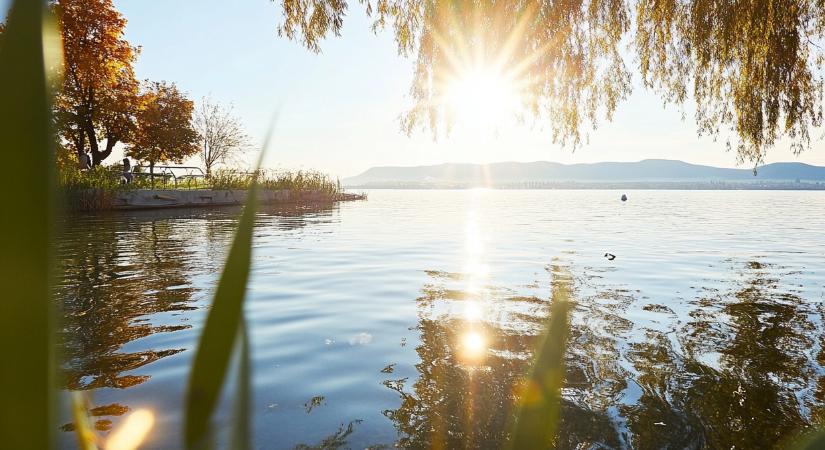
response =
{"points": [[647, 173]]}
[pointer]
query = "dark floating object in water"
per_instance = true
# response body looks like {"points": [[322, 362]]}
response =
{"points": [[610, 256], [624, 197]]}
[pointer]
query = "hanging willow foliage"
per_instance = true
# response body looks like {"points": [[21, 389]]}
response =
{"points": [[750, 66]]}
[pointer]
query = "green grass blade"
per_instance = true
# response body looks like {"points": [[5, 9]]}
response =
{"points": [[221, 328], [811, 440], [26, 320], [537, 414], [241, 431], [86, 437], [224, 322]]}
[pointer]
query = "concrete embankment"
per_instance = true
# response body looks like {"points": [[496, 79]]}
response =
{"points": [[174, 198]]}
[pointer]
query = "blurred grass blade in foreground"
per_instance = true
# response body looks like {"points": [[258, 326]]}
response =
{"points": [[84, 431], [813, 440], [26, 142], [241, 431], [224, 322], [219, 333], [537, 414]]}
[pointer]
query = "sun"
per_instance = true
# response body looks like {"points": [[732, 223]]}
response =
{"points": [[481, 97]]}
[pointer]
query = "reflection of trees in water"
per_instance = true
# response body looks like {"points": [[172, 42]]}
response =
{"points": [[735, 375], [453, 402], [117, 273], [121, 271], [334, 441], [128, 276], [457, 403], [741, 378], [818, 411]]}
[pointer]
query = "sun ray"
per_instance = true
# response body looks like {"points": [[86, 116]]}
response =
{"points": [[512, 38], [482, 75]]}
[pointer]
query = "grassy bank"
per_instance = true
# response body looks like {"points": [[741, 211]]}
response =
{"points": [[97, 189]]}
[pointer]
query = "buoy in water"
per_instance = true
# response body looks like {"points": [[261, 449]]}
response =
{"points": [[624, 197]]}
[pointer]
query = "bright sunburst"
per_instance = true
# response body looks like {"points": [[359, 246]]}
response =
{"points": [[480, 77], [481, 97]]}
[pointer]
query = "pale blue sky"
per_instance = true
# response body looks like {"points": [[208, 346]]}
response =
{"points": [[339, 109]]}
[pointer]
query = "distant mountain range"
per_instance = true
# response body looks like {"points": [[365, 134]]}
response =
{"points": [[649, 173]]}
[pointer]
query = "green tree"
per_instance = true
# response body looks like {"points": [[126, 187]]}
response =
{"points": [[751, 67], [163, 130]]}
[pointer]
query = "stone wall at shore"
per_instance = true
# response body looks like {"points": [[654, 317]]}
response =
{"points": [[175, 198]]}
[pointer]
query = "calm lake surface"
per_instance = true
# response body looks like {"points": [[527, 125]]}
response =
{"points": [[407, 319]]}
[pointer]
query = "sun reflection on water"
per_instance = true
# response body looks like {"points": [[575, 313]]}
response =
{"points": [[131, 434], [474, 242], [473, 345], [472, 311], [474, 269]]}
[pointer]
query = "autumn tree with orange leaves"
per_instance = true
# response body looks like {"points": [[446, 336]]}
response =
{"points": [[163, 129], [98, 101]]}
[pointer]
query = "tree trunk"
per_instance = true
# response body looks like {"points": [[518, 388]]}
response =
{"points": [[80, 143], [110, 144], [207, 158], [89, 127], [93, 147], [78, 134], [152, 173]]}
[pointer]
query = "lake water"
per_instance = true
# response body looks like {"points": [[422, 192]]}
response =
{"points": [[407, 319]]}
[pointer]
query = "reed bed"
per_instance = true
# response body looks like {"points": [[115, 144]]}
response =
{"points": [[91, 190], [109, 178], [96, 189], [296, 181]]}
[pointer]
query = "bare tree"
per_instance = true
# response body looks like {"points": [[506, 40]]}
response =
{"points": [[221, 135]]}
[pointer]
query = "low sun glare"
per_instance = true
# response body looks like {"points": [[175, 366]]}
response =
{"points": [[481, 97]]}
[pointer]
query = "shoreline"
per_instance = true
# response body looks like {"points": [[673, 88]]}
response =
{"points": [[89, 200], [561, 186]]}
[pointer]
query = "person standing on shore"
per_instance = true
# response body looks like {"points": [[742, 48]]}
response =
{"points": [[127, 171], [85, 161]]}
